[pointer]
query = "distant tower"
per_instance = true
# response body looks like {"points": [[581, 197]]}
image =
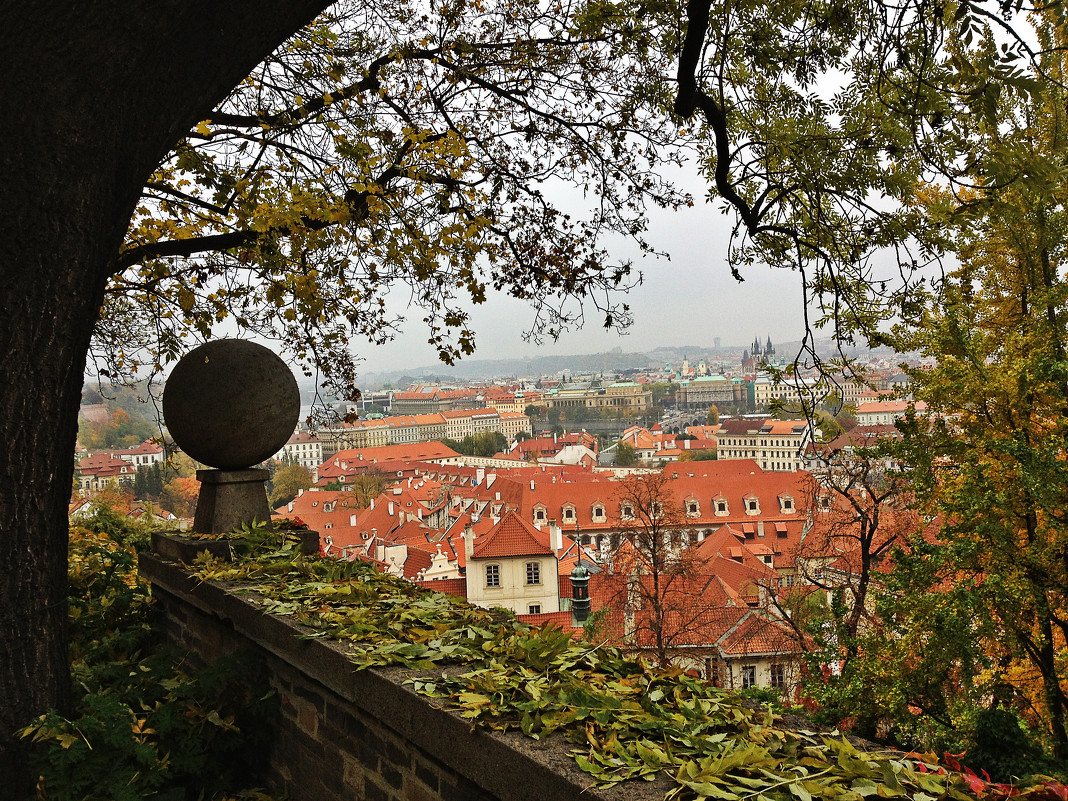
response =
{"points": [[745, 356], [715, 340], [756, 347], [769, 350]]}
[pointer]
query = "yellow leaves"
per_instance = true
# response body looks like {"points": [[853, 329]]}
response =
{"points": [[204, 128], [186, 299]]}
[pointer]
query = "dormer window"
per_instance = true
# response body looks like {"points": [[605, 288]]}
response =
{"points": [[786, 503], [569, 513], [721, 507], [752, 506], [693, 509], [598, 512], [539, 514], [626, 511]]}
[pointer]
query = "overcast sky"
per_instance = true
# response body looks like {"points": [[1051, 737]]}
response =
{"points": [[688, 300]]}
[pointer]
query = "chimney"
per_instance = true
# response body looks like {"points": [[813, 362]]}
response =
{"points": [[372, 503], [480, 474], [556, 538], [419, 512], [498, 496], [290, 506], [352, 520], [469, 541], [532, 484], [391, 508], [687, 444], [489, 482]]}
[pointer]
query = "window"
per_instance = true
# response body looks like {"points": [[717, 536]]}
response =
{"points": [[534, 609], [569, 513], [533, 572], [493, 575], [752, 506], [598, 512], [748, 676], [787, 503], [692, 508], [712, 671], [778, 675], [627, 511], [539, 514], [721, 507]]}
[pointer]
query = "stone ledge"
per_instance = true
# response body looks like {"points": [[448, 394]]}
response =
{"points": [[179, 547], [505, 766]]}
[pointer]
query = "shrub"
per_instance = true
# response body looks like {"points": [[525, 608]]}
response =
{"points": [[143, 726]]}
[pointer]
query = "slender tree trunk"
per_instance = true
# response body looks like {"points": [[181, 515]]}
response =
{"points": [[94, 95]]}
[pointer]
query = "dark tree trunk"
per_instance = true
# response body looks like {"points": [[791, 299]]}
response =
{"points": [[93, 96]]}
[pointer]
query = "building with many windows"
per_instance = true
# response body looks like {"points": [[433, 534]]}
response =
{"points": [[703, 391], [775, 445], [428, 400], [303, 448], [621, 395], [402, 429]]}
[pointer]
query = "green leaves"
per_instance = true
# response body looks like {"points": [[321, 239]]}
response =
{"points": [[624, 720]]}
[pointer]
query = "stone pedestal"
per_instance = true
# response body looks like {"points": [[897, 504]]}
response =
{"points": [[230, 499]]}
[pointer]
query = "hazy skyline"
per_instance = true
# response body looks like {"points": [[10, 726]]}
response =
{"points": [[688, 300]]}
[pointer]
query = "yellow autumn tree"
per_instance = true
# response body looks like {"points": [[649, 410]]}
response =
{"points": [[991, 458]]}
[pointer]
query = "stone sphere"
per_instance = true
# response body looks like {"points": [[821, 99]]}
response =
{"points": [[231, 404]]}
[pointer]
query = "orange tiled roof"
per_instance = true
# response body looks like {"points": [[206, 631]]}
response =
{"points": [[451, 586], [557, 619], [757, 634], [890, 406], [513, 536]]}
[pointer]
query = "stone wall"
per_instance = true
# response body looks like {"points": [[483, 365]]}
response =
{"points": [[350, 734]]}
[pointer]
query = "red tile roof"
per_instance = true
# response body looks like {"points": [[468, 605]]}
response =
{"points": [[556, 619], [513, 536], [452, 586]]}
